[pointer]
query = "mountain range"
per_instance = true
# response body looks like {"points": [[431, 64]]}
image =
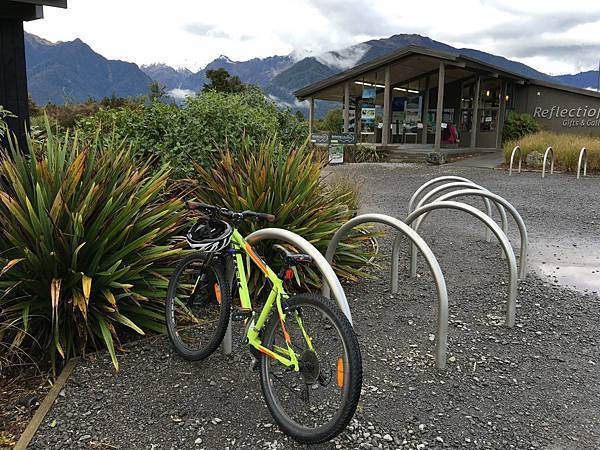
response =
{"points": [[73, 71]]}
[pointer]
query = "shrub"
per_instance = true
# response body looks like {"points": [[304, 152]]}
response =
{"points": [[518, 125], [366, 153], [212, 120], [566, 148], [271, 178], [82, 247]]}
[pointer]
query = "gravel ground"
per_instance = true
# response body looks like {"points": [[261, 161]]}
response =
{"points": [[534, 386]]}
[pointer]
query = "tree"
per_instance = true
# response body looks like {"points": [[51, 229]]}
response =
{"points": [[222, 81], [333, 121], [156, 91]]}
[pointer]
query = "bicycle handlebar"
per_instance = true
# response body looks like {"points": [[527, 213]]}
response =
{"points": [[217, 210]]}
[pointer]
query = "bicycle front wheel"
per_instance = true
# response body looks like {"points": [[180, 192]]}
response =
{"points": [[315, 404], [197, 307]]}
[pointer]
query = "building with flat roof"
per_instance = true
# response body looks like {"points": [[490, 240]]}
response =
{"points": [[422, 98]]}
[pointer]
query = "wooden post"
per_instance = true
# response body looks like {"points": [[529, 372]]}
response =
{"points": [[440, 106], [425, 118], [387, 95], [501, 114], [311, 115], [347, 107], [13, 78], [475, 121]]}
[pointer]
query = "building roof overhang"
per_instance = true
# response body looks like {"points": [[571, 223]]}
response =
{"points": [[457, 65]]}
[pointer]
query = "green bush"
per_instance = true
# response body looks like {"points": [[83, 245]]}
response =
{"points": [[566, 148], [212, 120], [286, 182], [83, 247], [518, 125]]}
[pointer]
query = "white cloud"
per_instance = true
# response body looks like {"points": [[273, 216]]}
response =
{"points": [[180, 94], [191, 33], [345, 58]]}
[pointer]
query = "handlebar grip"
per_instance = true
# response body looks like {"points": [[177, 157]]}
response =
{"points": [[263, 216], [259, 215], [199, 205]]}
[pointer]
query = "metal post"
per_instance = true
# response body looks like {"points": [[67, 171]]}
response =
{"points": [[440, 106], [347, 107], [512, 156], [511, 209], [512, 262], [329, 277], [475, 120], [385, 133], [548, 150], [434, 267], [227, 344], [582, 156]]}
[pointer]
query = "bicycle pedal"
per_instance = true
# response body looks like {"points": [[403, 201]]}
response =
{"points": [[240, 314]]}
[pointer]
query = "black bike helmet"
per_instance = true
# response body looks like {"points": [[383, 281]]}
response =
{"points": [[209, 235]]}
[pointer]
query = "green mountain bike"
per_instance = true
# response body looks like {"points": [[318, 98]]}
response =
{"points": [[306, 350]]}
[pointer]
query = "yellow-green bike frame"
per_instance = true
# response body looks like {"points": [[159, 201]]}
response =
{"points": [[285, 356]]}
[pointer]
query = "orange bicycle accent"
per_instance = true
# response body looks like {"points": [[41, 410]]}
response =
{"points": [[259, 262], [217, 293], [340, 372]]}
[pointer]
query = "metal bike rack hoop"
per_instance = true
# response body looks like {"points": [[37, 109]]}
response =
{"points": [[582, 156], [453, 185], [511, 209], [466, 185], [548, 150], [512, 156], [512, 263], [434, 267], [430, 183]]}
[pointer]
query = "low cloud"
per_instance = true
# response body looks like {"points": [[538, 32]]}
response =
{"points": [[180, 94], [345, 58]]}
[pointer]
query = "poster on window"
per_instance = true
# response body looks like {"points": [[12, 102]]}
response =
{"points": [[367, 119], [352, 120]]}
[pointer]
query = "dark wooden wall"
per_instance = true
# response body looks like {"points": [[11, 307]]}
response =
{"points": [[13, 77]]}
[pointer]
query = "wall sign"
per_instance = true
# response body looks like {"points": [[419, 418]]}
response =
{"points": [[571, 117]]}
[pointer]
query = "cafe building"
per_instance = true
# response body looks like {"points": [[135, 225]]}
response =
{"points": [[422, 99]]}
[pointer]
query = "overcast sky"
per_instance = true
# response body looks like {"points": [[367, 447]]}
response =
{"points": [[553, 36]]}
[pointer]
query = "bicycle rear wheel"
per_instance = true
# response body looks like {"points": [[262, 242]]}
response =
{"points": [[315, 404], [197, 307]]}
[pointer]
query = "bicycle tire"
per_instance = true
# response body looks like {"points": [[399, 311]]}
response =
{"points": [[352, 392], [224, 309]]}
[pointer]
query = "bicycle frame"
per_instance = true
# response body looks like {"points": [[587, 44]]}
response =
{"points": [[285, 356]]}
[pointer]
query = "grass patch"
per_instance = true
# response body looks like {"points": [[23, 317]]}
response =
{"points": [[566, 148]]}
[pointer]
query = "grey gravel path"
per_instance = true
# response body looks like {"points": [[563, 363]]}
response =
{"points": [[534, 386]]}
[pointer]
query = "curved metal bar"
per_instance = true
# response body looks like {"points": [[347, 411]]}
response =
{"points": [[582, 155], [434, 267], [549, 149], [512, 262], [488, 206], [430, 183], [512, 155], [511, 209], [444, 187], [329, 276]]}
